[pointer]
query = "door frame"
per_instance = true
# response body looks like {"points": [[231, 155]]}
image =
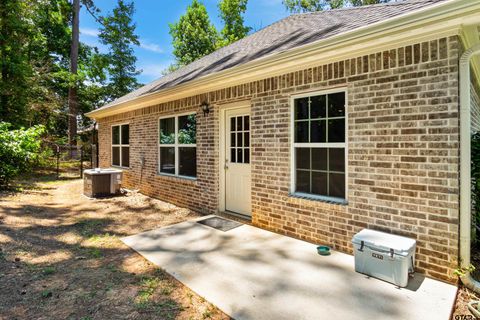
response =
{"points": [[221, 144]]}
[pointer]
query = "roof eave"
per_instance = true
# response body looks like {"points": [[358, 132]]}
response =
{"points": [[448, 13]]}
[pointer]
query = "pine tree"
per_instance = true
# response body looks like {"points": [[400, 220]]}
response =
{"points": [[118, 33]]}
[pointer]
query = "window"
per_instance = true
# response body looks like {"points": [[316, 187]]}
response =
{"points": [[319, 145], [177, 145], [121, 146], [240, 139]]}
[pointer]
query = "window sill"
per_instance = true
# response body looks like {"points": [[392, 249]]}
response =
{"points": [[330, 200], [122, 168], [168, 175]]}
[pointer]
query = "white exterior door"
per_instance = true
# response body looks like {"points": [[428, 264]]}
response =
{"points": [[237, 161]]}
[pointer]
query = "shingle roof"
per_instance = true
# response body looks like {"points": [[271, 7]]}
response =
{"points": [[291, 32]]}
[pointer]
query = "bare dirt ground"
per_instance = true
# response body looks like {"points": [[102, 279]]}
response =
{"points": [[61, 258]]}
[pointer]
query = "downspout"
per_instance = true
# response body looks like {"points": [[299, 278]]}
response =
{"points": [[465, 168]]}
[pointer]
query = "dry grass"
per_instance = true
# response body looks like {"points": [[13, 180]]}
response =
{"points": [[61, 258]]}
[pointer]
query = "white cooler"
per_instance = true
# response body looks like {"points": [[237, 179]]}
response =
{"points": [[384, 256]]}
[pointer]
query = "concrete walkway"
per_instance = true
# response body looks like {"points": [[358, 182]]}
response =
{"points": [[251, 273]]}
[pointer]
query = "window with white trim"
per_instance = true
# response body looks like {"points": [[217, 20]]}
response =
{"points": [[319, 145], [121, 146], [177, 146]]}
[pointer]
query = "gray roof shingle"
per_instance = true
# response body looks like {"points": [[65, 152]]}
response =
{"points": [[288, 33]]}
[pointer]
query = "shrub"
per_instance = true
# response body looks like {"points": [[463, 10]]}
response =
{"points": [[20, 151], [475, 187]]}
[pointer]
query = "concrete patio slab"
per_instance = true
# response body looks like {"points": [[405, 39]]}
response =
{"points": [[251, 273]]}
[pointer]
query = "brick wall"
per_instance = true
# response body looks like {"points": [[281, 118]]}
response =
{"points": [[402, 151]]}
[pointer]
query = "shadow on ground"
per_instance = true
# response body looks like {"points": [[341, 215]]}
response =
{"points": [[61, 258]]}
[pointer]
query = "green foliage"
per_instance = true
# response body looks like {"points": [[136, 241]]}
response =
{"points": [[475, 143], [20, 151], [35, 52], [49, 270], [462, 272], [16, 29], [193, 35], [231, 12], [187, 134], [118, 33], [299, 6]]}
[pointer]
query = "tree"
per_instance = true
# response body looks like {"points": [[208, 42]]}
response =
{"points": [[117, 31], [298, 6], [16, 30], [231, 12], [193, 35], [72, 90]]}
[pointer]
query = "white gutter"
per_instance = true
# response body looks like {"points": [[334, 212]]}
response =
{"points": [[465, 168]]}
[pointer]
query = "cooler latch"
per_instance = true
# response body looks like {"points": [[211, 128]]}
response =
{"points": [[362, 244], [391, 253]]}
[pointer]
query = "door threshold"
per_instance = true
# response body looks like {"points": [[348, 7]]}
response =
{"points": [[236, 217]]}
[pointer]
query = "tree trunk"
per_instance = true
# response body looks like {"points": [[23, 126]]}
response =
{"points": [[72, 91]]}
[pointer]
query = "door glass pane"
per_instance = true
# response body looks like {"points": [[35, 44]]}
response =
{"points": [[187, 129], [187, 161], [336, 105], [301, 108], [246, 141], [302, 158], [116, 135], [318, 107], [246, 155], [239, 123], [167, 131], [337, 185], [125, 134], [336, 160], [115, 156], [303, 181], [239, 155], [319, 183], [318, 131], [301, 131], [246, 123], [239, 139], [319, 159], [336, 130], [167, 160], [233, 155], [233, 139]]}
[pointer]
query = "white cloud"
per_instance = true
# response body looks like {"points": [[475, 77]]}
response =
{"points": [[152, 71], [150, 46], [89, 32], [144, 44]]}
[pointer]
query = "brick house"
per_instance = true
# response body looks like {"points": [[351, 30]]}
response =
{"points": [[318, 126]]}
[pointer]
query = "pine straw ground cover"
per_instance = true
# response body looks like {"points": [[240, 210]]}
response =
{"points": [[61, 258]]}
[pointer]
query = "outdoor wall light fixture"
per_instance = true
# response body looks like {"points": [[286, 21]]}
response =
{"points": [[205, 108]]}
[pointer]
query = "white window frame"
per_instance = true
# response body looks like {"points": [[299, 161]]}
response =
{"points": [[175, 145], [120, 145], [294, 145]]}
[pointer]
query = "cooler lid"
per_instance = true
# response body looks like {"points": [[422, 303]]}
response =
{"points": [[384, 241]]}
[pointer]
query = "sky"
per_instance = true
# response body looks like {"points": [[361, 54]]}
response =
{"points": [[152, 18]]}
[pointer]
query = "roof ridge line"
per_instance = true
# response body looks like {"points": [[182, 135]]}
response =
{"points": [[393, 3]]}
